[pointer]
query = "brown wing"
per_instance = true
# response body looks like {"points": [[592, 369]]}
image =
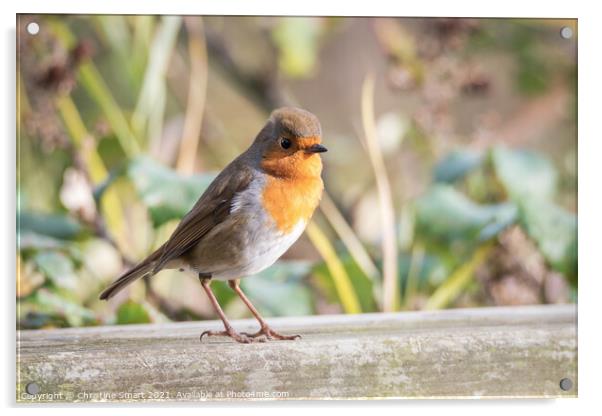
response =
{"points": [[212, 208]]}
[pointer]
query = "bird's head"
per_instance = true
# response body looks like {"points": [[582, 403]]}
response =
{"points": [[289, 144]]}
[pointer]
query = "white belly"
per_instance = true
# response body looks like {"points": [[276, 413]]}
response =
{"points": [[268, 248]]}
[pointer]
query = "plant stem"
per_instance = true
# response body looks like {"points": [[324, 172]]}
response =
{"points": [[454, 284], [196, 96], [353, 244], [341, 279], [389, 243]]}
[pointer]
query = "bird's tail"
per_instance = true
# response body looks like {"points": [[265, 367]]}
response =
{"points": [[145, 267]]}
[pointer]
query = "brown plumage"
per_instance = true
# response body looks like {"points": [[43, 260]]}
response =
{"points": [[211, 209], [249, 215]]}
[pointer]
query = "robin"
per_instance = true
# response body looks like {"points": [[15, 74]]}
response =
{"points": [[248, 217]]}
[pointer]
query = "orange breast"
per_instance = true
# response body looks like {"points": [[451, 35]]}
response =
{"points": [[288, 200]]}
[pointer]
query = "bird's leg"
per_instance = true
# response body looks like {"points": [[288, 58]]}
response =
{"points": [[229, 331], [265, 330]]}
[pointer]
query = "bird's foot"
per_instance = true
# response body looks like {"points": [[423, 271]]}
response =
{"points": [[269, 333], [242, 338]]}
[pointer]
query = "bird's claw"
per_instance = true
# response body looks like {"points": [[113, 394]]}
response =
{"points": [[242, 338], [269, 334], [264, 334]]}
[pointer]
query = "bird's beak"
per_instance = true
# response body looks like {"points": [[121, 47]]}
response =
{"points": [[316, 148]]}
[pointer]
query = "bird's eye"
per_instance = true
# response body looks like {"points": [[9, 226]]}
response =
{"points": [[285, 143]]}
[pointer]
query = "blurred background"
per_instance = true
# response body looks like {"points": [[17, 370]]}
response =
{"points": [[451, 179]]}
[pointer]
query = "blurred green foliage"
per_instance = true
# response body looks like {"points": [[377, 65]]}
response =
{"points": [[167, 195], [131, 312], [99, 185]]}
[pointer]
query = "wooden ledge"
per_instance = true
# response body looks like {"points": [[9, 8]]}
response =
{"points": [[485, 352]]}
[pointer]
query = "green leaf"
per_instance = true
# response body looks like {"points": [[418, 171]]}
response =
{"points": [[362, 285], [131, 312], [167, 194], [458, 280], [533, 75], [29, 318], [47, 302], [58, 268], [446, 214], [431, 271], [297, 43], [524, 174], [57, 226], [555, 232], [456, 165], [223, 292], [531, 181], [279, 290], [533, 70], [29, 240]]}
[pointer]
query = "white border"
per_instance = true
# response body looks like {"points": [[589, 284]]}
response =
{"points": [[590, 209], [306, 7]]}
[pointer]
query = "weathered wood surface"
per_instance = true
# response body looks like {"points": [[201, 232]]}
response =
{"points": [[489, 352]]}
